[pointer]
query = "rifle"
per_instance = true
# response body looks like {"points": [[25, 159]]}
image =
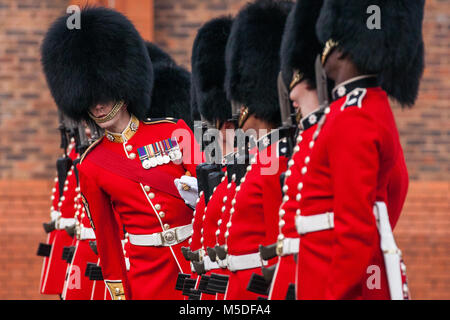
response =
{"points": [[238, 168], [235, 110], [236, 171], [321, 84], [95, 131], [200, 127], [63, 163], [289, 126], [77, 131]]}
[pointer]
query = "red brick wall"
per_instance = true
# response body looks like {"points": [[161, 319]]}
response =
{"points": [[177, 22], [29, 142], [423, 235], [24, 206]]}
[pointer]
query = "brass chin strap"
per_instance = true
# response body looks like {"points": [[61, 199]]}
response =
{"points": [[243, 116], [329, 46], [110, 115], [297, 77]]}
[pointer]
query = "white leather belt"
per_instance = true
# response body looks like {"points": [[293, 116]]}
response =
{"points": [[210, 265], [62, 223], [290, 245], [392, 255], [54, 215], [244, 261], [222, 263], [162, 239], [87, 233], [317, 222]]}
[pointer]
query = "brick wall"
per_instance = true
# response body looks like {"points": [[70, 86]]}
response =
{"points": [[24, 206], [177, 22], [424, 130], [29, 142], [28, 135], [423, 235]]}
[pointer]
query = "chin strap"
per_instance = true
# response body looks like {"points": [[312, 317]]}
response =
{"points": [[243, 116], [110, 115]]}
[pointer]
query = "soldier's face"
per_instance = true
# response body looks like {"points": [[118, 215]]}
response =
{"points": [[304, 98], [101, 110], [297, 93]]}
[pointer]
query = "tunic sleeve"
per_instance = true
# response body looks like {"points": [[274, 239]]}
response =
{"points": [[108, 234]]}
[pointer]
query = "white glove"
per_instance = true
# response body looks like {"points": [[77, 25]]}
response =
{"points": [[188, 189]]}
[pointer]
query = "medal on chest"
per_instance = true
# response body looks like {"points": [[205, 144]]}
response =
{"points": [[159, 153]]}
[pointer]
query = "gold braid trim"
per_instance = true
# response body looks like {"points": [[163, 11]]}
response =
{"points": [[110, 115]]}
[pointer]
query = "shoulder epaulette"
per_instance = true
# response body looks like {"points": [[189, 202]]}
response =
{"points": [[159, 120], [91, 147]]}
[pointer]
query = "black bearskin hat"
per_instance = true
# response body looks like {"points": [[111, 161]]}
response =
{"points": [[171, 88], [395, 51], [158, 55], [208, 69], [105, 60], [253, 57], [195, 113], [300, 46]]}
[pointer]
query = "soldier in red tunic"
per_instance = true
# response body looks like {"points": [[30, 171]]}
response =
{"points": [[299, 50], [78, 285], [44, 249], [102, 72], [253, 64], [209, 97], [347, 250], [62, 212], [84, 279]]}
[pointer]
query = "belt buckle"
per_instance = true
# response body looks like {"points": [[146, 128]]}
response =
{"points": [[279, 248], [169, 237], [79, 231]]}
